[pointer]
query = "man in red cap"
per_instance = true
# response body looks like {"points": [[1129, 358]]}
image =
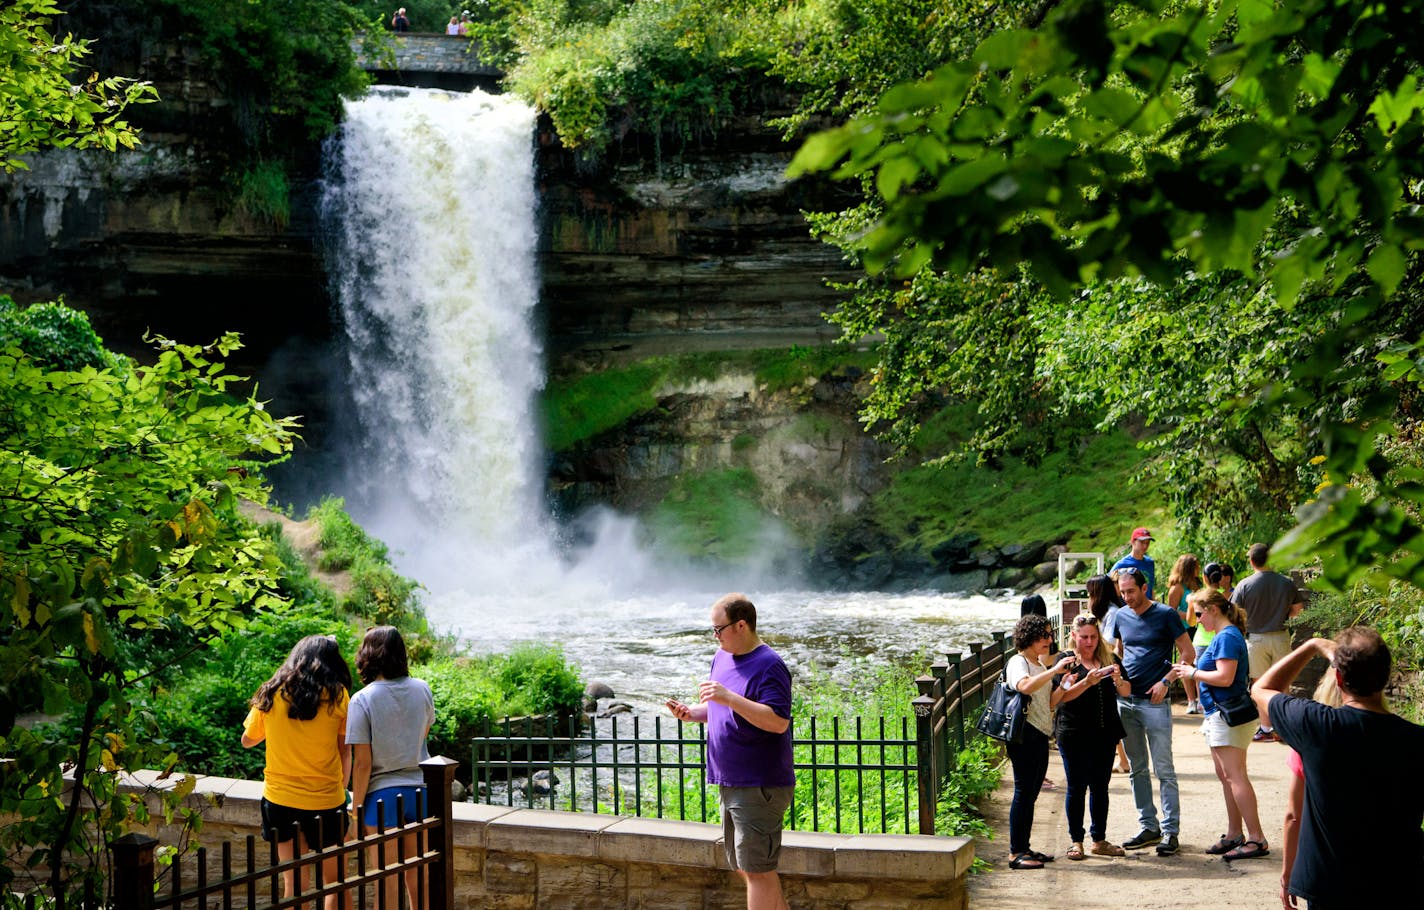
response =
{"points": [[1138, 558]]}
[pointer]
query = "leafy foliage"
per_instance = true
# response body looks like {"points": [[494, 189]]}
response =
{"points": [[1277, 144], [601, 70], [39, 106], [473, 691], [53, 335], [379, 593], [121, 548]]}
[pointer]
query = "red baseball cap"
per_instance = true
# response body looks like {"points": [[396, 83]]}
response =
{"points": [[1141, 534]]}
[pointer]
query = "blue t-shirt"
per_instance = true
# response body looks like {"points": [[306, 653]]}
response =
{"points": [[1147, 642], [1230, 644], [1145, 564], [739, 753]]}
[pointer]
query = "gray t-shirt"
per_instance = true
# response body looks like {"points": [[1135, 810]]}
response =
{"points": [[392, 715], [1266, 597]]}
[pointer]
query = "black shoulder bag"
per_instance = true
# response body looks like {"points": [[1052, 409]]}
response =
{"points": [[1004, 712]]}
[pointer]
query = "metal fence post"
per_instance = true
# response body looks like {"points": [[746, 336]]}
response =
{"points": [[926, 779], [439, 773], [976, 652], [133, 871], [954, 691], [940, 671]]}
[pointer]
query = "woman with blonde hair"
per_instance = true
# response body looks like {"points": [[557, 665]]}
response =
{"points": [[1088, 730], [1221, 675], [1185, 579]]}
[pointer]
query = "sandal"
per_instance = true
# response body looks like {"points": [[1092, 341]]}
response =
{"points": [[1025, 861], [1075, 851], [1049, 785], [1041, 857], [1251, 849], [1225, 845], [1103, 848]]}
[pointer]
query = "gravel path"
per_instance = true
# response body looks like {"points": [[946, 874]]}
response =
{"points": [[1142, 880]]}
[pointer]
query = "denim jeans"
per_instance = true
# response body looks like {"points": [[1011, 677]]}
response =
{"points": [[1149, 729], [1030, 761], [1087, 771]]}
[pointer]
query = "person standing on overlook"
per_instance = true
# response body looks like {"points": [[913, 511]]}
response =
{"points": [[1269, 599], [1360, 839], [746, 705], [1138, 559], [399, 22], [1146, 632]]}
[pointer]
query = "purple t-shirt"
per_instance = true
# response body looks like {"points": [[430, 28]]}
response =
{"points": [[739, 754]]}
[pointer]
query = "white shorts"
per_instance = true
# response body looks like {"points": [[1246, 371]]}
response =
{"points": [[1219, 733], [1265, 648]]}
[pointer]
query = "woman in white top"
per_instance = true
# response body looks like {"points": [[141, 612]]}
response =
{"points": [[453, 26], [1033, 638]]}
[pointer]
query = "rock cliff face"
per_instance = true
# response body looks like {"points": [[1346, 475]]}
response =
{"points": [[655, 250]]}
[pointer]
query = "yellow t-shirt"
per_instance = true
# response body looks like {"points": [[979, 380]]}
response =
{"points": [[303, 756]]}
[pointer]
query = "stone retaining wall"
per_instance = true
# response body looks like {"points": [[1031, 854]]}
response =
{"points": [[515, 859]]}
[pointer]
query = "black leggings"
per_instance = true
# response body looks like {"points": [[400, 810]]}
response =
{"points": [[1087, 768], [1030, 762]]}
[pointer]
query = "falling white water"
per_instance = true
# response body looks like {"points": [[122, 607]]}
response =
{"points": [[431, 203], [431, 214]]}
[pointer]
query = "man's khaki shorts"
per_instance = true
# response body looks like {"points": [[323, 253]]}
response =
{"points": [[1265, 648], [751, 826]]}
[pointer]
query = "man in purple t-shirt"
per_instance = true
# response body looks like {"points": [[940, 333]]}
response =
{"points": [[746, 705]]}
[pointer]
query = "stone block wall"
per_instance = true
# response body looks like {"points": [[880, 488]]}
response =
{"points": [[520, 859]]}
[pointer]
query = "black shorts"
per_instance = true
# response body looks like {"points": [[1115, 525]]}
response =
{"points": [[280, 822]]}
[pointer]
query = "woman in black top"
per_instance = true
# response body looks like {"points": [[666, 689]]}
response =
{"points": [[1088, 729]]}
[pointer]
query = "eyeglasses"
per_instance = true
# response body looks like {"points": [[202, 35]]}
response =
{"points": [[1085, 619], [717, 630]]}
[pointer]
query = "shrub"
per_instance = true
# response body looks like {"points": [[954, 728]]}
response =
{"points": [[55, 336], [379, 594]]}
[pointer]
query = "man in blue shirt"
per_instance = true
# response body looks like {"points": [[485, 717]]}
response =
{"points": [[1138, 559], [1146, 632]]}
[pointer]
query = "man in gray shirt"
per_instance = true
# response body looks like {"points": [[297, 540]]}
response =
{"points": [[1269, 599]]}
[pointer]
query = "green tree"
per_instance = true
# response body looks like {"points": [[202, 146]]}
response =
{"points": [[39, 106], [1281, 145], [121, 547]]}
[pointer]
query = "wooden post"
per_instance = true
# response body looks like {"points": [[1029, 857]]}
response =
{"points": [[133, 871], [439, 774]]}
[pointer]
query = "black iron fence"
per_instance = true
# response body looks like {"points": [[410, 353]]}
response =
{"points": [[423, 847], [856, 774]]}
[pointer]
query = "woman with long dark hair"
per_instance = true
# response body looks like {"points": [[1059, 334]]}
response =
{"points": [[388, 723], [300, 713]]}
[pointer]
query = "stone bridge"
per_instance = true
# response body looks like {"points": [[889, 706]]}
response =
{"points": [[425, 60]]}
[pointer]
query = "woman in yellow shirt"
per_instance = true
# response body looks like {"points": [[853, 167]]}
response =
{"points": [[301, 714]]}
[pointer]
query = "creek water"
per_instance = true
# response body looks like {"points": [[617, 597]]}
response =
{"points": [[431, 213]]}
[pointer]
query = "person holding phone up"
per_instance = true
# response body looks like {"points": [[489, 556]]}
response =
{"points": [[1088, 729]]}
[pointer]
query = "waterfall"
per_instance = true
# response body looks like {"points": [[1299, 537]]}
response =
{"points": [[430, 213]]}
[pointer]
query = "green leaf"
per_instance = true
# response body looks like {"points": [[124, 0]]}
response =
{"points": [[971, 175], [1386, 266], [894, 174], [1003, 49]]}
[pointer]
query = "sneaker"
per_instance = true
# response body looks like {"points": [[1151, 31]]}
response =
{"points": [[1143, 838], [1168, 846], [1193, 708], [1262, 735]]}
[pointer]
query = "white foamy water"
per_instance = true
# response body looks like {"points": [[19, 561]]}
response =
{"points": [[431, 209]]}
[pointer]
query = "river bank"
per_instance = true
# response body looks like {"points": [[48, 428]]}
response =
{"points": [[1142, 880]]}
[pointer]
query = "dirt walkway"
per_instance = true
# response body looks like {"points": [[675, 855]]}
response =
{"points": [[1142, 879]]}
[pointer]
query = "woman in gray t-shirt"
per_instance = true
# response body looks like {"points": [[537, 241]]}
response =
{"points": [[386, 726]]}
